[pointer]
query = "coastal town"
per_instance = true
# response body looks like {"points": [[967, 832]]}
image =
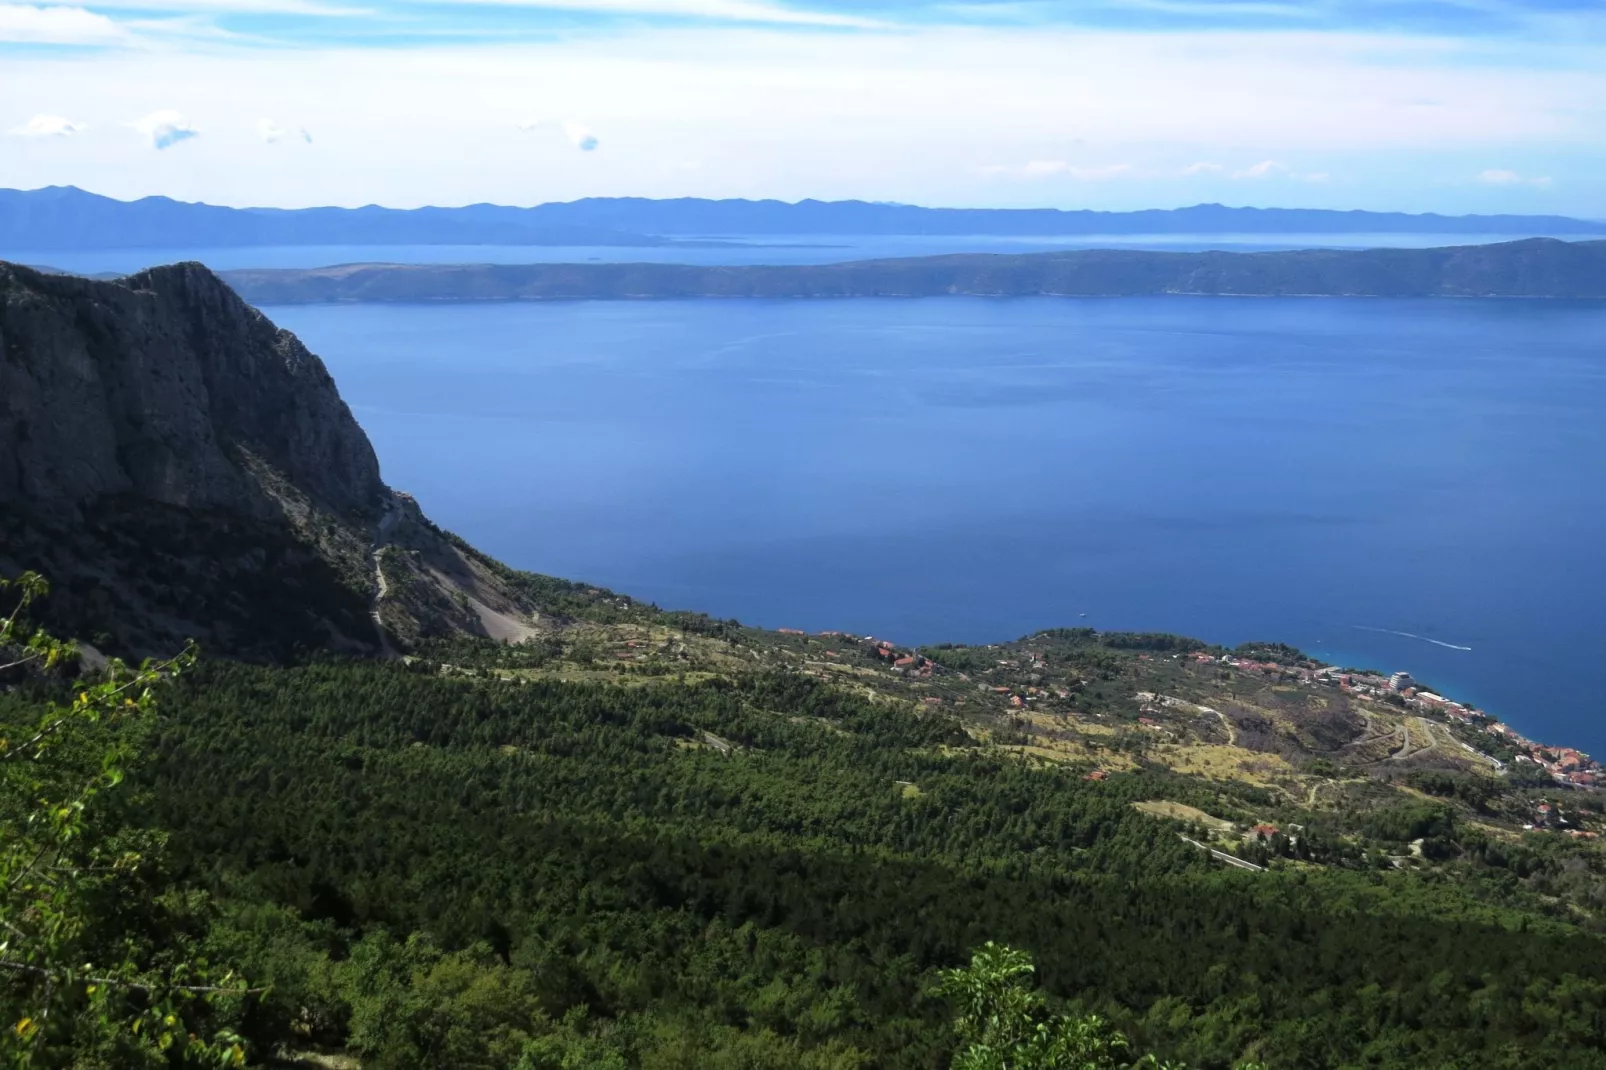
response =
{"points": [[1483, 737], [1312, 738]]}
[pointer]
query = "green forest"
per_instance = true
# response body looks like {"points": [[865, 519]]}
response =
{"points": [[218, 863]]}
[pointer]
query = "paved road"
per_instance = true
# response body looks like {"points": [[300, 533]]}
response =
{"points": [[1223, 856]]}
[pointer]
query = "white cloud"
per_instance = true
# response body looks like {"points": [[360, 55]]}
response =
{"points": [[1499, 177], [583, 139], [1263, 169], [1101, 174], [25, 24], [236, 7], [165, 128], [1272, 169], [721, 10], [1197, 9], [579, 135], [1044, 168], [48, 126], [271, 132], [1203, 168]]}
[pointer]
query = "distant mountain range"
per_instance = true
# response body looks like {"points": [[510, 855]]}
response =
{"points": [[687, 216], [67, 218], [1534, 268], [64, 218]]}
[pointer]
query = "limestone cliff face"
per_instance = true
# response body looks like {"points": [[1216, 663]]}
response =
{"points": [[166, 386], [180, 467]]}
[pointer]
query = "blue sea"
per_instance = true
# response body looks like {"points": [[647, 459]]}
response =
{"points": [[1415, 485]]}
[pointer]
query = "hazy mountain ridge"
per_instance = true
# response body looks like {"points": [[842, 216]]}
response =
{"points": [[1536, 268], [65, 218], [178, 465], [693, 215]]}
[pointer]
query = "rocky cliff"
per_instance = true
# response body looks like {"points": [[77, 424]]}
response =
{"points": [[180, 467]]}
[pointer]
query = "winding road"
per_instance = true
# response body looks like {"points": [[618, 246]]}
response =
{"points": [[387, 522]]}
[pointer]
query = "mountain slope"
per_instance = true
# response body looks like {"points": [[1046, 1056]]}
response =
{"points": [[1537, 267], [180, 466]]}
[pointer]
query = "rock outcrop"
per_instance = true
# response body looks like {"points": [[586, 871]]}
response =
{"points": [[180, 467], [166, 386]]}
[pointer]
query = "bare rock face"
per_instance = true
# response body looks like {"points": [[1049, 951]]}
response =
{"points": [[179, 467], [166, 386]]}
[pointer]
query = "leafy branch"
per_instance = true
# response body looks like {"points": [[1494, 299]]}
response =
{"points": [[62, 872], [1002, 1022]]}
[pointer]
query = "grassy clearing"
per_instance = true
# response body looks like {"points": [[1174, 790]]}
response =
{"points": [[1218, 762], [1182, 812]]}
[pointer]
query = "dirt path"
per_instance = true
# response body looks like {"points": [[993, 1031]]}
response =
{"points": [[387, 522], [1371, 733], [1405, 751], [1172, 702], [1367, 733], [1496, 763], [1232, 729], [1397, 738], [1424, 729]]}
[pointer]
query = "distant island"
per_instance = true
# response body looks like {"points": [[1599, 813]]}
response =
{"points": [[1533, 268], [67, 218]]}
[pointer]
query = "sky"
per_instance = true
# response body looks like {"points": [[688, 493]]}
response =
{"points": [[1453, 106]]}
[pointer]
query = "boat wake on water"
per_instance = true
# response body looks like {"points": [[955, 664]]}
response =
{"points": [[1410, 635]]}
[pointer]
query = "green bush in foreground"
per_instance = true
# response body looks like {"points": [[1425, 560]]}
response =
{"points": [[1003, 1024], [95, 970]]}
